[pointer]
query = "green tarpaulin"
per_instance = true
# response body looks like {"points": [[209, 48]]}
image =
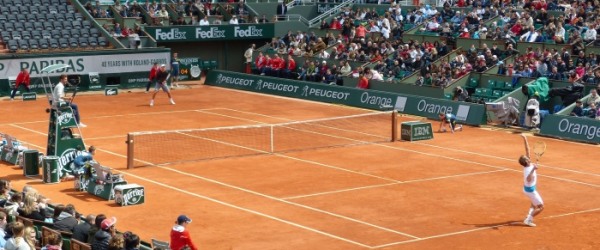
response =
{"points": [[541, 87]]}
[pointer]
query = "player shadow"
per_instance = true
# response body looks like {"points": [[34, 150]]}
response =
{"points": [[497, 225]]}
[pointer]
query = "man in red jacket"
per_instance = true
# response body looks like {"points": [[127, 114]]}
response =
{"points": [[22, 79], [152, 76], [291, 67], [276, 65], [180, 237]]}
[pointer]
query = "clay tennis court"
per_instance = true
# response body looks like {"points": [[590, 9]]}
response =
{"points": [[457, 191]]}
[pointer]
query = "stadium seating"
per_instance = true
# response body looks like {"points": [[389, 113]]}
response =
{"points": [[40, 25]]}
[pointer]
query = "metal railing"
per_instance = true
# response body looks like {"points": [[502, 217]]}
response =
{"points": [[317, 20], [294, 17], [251, 10]]}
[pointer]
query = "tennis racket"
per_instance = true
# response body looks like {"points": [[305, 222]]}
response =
{"points": [[539, 148]]}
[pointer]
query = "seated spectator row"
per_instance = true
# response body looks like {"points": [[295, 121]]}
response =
{"points": [[32, 2], [45, 26], [14, 45], [36, 34], [41, 17], [54, 9]]}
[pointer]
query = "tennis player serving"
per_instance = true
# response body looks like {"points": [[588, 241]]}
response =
{"points": [[530, 180], [161, 83]]}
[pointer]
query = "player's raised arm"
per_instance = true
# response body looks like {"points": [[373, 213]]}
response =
{"points": [[526, 145]]}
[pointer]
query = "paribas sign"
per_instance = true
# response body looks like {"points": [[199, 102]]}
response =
{"points": [[102, 64]]}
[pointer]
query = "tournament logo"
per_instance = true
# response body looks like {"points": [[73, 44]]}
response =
{"points": [[65, 159], [64, 118], [111, 91], [133, 197], [305, 91], [219, 78], [259, 85]]}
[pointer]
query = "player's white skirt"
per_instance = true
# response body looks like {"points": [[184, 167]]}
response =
{"points": [[534, 197]]}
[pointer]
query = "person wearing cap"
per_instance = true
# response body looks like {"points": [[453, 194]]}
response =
{"points": [[106, 232], [161, 83], [152, 78], [180, 236]]}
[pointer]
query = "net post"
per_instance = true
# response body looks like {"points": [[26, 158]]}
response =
{"points": [[129, 151], [394, 125]]}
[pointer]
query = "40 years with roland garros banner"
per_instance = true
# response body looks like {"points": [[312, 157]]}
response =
{"points": [[467, 113]]}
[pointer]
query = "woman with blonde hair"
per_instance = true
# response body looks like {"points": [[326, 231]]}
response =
{"points": [[31, 208], [17, 242], [30, 236]]}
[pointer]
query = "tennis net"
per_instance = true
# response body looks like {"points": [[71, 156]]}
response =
{"points": [[164, 147]]}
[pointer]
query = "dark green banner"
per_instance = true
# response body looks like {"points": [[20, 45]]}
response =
{"points": [[212, 32], [571, 128], [189, 68], [467, 113]]}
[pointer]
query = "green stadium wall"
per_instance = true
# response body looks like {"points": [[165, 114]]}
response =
{"points": [[467, 113]]}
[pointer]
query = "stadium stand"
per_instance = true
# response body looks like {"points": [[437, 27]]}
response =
{"points": [[21, 33]]}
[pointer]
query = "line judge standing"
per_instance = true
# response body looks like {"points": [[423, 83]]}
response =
{"points": [[248, 56]]}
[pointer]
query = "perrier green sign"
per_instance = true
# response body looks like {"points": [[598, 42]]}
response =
{"points": [[211, 33]]}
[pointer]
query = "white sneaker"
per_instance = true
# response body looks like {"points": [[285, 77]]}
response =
{"points": [[460, 128], [172, 102], [151, 103], [146, 92], [529, 223], [82, 125]]}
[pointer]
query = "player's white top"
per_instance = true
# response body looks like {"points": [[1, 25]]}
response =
{"points": [[529, 185]]}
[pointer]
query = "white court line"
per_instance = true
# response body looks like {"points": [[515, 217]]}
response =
{"points": [[122, 115], [481, 228], [232, 117], [27, 129], [503, 158], [390, 184], [374, 144], [472, 162], [231, 205], [106, 137]]}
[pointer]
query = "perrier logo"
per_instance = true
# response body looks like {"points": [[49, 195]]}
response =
{"points": [[64, 118], [134, 196]]}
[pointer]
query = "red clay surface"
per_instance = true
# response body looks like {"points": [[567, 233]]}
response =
{"points": [[457, 191]]}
